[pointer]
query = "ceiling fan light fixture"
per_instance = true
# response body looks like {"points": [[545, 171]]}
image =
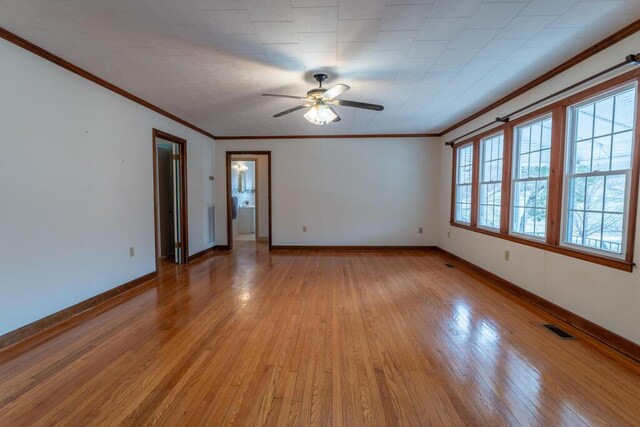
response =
{"points": [[320, 114], [320, 102]]}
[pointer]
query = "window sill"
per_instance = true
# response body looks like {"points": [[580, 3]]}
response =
{"points": [[585, 256]]}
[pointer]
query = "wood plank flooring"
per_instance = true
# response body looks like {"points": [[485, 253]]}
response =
{"points": [[315, 338]]}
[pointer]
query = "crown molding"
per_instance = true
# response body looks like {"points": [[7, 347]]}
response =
{"points": [[380, 135]]}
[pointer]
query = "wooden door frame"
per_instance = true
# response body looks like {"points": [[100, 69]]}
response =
{"points": [[229, 154], [184, 223]]}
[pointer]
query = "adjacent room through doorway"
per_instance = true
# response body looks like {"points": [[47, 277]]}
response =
{"points": [[249, 198], [169, 157]]}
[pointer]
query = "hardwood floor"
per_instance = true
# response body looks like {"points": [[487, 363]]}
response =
{"points": [[324, 338]]}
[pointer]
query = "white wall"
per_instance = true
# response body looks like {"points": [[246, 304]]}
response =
{"points": [[608, 297], [346, 191], [76, 188]]}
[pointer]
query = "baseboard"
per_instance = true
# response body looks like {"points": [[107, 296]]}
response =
{"points": [[621, 344], [201, 253], [38, 326], [221, 248], [351, 248], [262, 239]]}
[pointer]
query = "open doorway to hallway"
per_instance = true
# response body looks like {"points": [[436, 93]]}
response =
{"points": [[170, 202], [249, 198]]}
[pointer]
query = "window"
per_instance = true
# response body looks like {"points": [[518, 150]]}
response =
{"points": [[491, 152], [531, 165], [464, 173], [570, 181], [598, 171]]}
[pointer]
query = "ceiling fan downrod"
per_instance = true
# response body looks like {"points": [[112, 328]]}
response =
{"points": [[320, 78]]}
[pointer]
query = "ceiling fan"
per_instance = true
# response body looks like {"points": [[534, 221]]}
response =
{"points": [[320, 101]]}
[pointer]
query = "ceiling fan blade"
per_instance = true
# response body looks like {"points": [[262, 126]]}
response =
{"points": [[354, 104], [291, 110], [337, 90], [337, 119], [285, 96]]}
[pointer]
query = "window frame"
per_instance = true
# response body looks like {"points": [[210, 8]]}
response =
{"points": [[492, 134], [513, 180], [454, 192], [569, 139], [556, 188]]}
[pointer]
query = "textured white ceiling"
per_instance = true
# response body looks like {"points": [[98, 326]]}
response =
{"points": [[429, 62]]}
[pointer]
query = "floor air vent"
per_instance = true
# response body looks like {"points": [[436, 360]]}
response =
{"points": [[449, 265], [559, 332]]}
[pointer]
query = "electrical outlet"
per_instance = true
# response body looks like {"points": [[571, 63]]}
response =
{"points": [[448, 234], [420, 230], [304, 228], [131, 251], [506, 255]]}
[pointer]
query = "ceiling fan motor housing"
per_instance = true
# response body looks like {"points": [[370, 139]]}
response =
{"points": [[316, 93]]}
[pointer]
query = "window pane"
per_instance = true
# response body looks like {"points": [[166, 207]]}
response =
{"points": [[463, 203], [625, 110], [612, 232], [594, 194], [540, 225], [545, 162], [464, 164], [530, 207], [582, 157], [524, 136], [574, 229], [603, 124], [536, 135], [592, 229], [486, 171], [614, 193], [541, 194], [530, 186], [534, 158], [577, 193], [585, 123], [597, 198], [534, 163], [523, 169], [517, 221], [621, 151], [546, 133], [602, 153], [490, 196], [464, 176], [490, 181]]}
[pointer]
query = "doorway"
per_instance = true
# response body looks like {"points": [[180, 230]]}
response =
{"points": [[170, 198], [249, 197]]}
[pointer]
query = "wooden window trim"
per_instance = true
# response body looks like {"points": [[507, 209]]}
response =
{"points": [[507, 161], [552, 243], [454, 183], [475, 187], [501, 130]]}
